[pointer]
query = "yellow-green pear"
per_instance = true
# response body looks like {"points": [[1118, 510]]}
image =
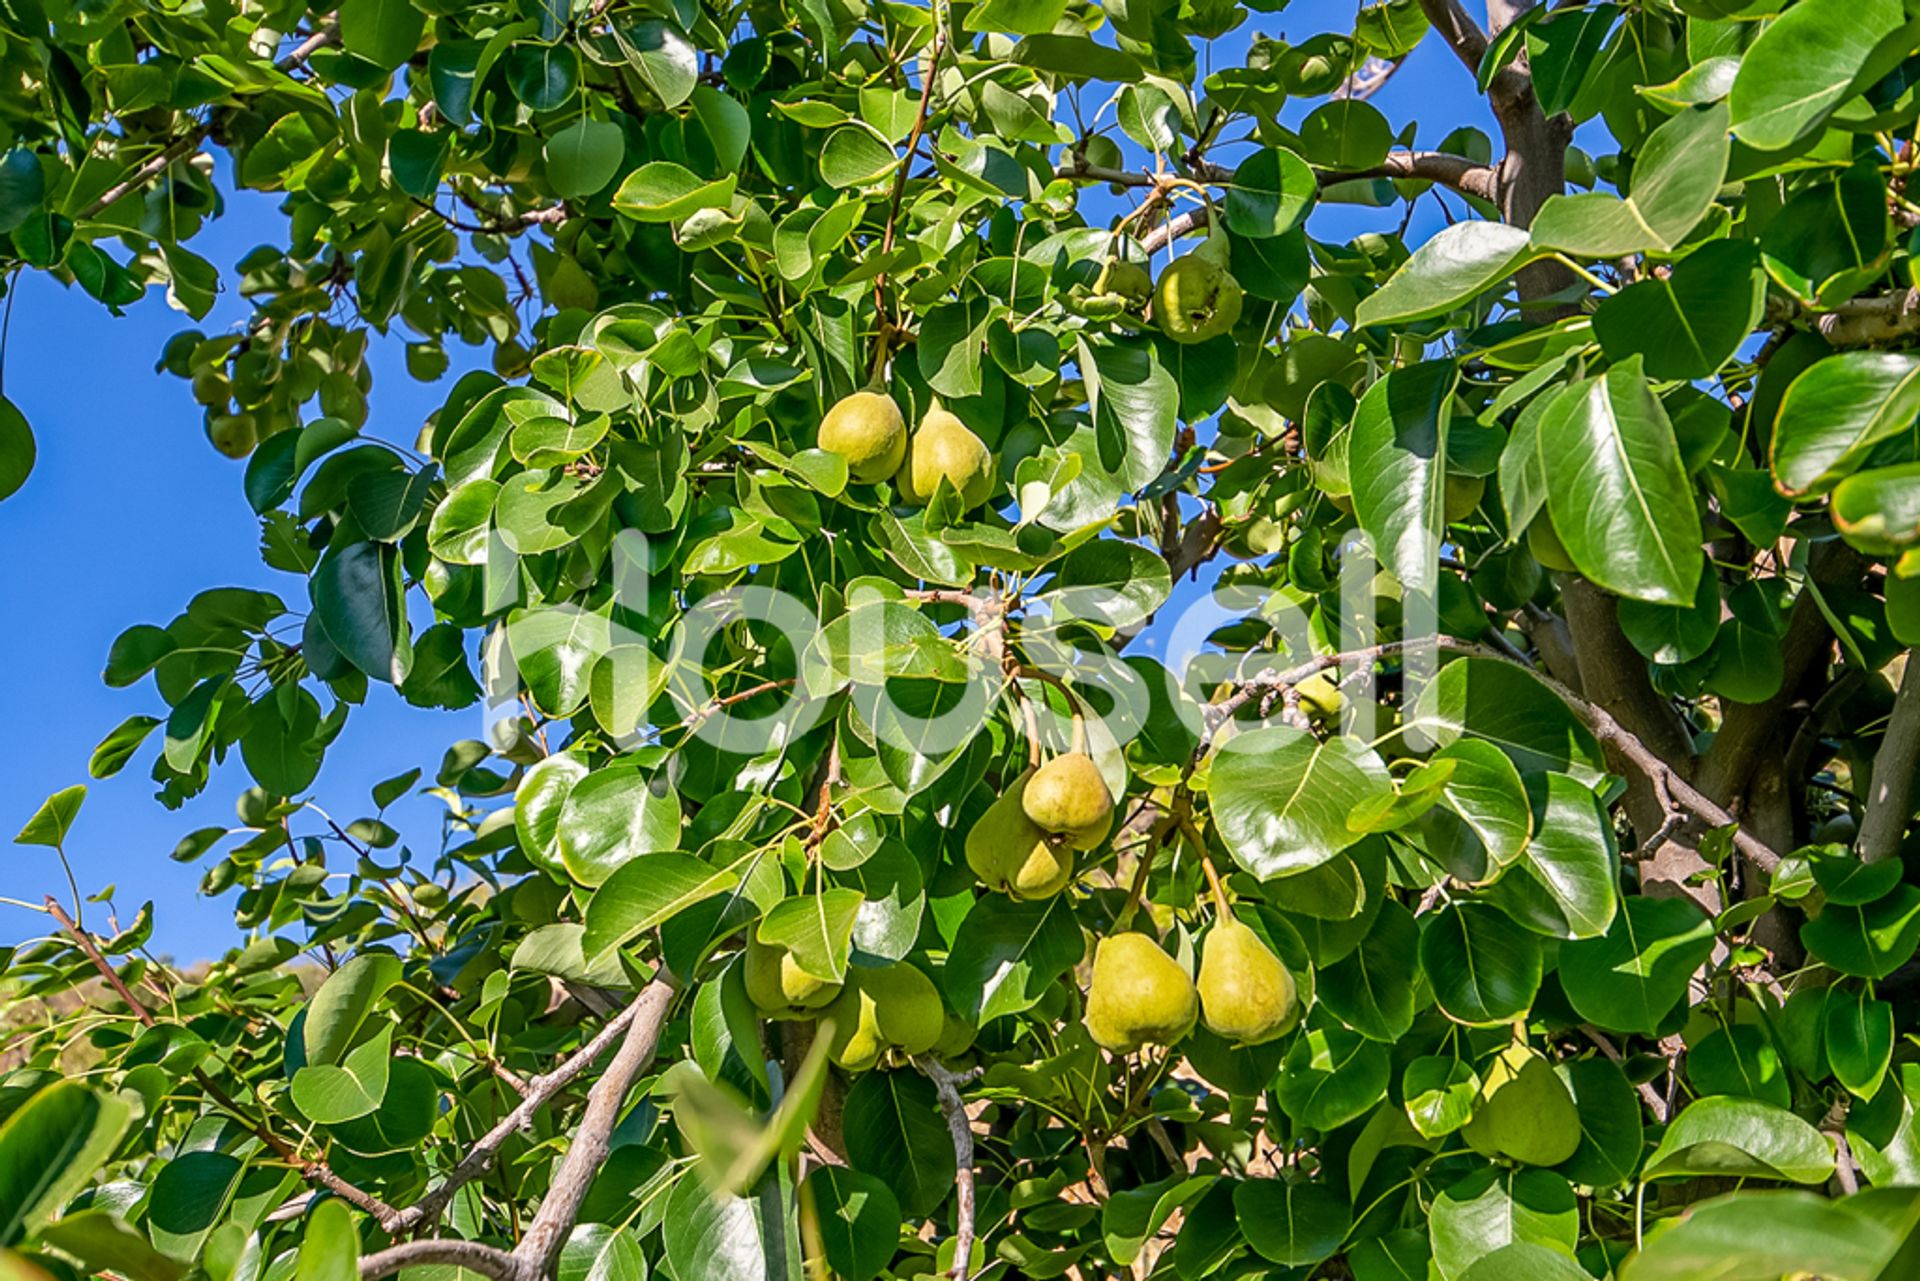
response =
{"points": [[1011, 853], [892, 1007], [778, 987], [1139, 995], [1069, 796], [868, 431], [1196, 299], [1246, 994], [944, 449], [1524, 1111]]}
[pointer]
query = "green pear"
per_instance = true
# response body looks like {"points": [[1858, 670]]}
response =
{"points": [[1246, 994], [1196, 299], [868, 431], [1543, 540], [778, 987], [1069, 797], [1524, 1111], [943, 449], [892, 1007], [234, 435], [1139, 995], [1011, 853]]}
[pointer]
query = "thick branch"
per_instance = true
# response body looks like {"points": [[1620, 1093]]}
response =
{"points": [[471, 1255], [540, 1248], [1468, 177], [540, 1091], [1605, 728], [1457, 27], [1857, 322], [947, 1086], [1890, 790]]}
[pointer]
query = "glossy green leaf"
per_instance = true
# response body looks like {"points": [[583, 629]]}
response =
{"points": [[1630, 978], [50, 1147], [1804, 66], [1455, 266], [1281, 797], [1676, 176], [1481, 969], [1745, 1138]]}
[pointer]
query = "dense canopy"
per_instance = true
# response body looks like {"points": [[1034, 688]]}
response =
{"points": [[1057, 687]]}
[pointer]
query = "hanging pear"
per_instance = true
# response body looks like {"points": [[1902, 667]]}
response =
{"points": [[1524, 1111], [1069, 797], [868, 431], [779, 988], [1246, 994], [944, 449], [891, 1007], [1139, 995], [1011, 853]]}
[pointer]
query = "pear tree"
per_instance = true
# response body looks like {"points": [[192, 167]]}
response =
{"points": [[1094, 644]]}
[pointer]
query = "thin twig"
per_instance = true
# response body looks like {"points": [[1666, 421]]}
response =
{"points": [[947, 1085], [1650, 1096], [487, 1260]]}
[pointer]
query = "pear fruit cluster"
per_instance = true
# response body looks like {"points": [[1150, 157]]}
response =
{"points": [[867, 430], [779, 987], [1011, 853], [890, 1008]]}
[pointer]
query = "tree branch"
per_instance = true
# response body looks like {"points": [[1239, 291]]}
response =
{"points": [[947, 1085], [540, 1091], [1468, 177], [1857, 322], [487, 1260], [1462, 34], [1890, 788], [1605, 728], [540, 1247]]}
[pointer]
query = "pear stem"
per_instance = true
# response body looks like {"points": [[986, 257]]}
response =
{"points": [[1213, 880]]}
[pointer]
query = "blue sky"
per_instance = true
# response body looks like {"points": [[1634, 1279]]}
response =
{"points": [[130, 513]]}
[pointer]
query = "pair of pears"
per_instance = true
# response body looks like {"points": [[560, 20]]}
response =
{"points": [[1141, 996], [888, 1007], [1024, 844], [869, 432]]}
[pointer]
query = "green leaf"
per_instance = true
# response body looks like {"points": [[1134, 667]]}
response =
{"points": [[23, 185], [54, 819], [714, 1235], [894, 1132], [1563, 885], [330, 1094], [1878, 511], [1688, 323], [105, 1244], [583, 157], [1629, 979], [1503, 704], [859, 1221], [558, 950], [1292, 1224], [1456, 265], [1281, 797], [1870, 941], [50, 1148], [1675, 179], [188, 1199], [1270, 194], [1397, 459], [1743, 1138], [646, 891], [817, 929], [1834, 414], [1491, 1209], [1332, 1076], [1525, 1261], [17, 451], [1675, 634], [1739, 1059], [1619, 497], [1439, 1091], [358, 598], [1482, 970], [1803, 65], [1858, 1034], [1016, 17], [1371, 989], [279, 743], [612, 816], [1485, 792], [665, 60], [334, 1015], [1768, 1234], [1007, 953], [384, 32], [855, 156], [601, 1252], [330, 1248], [1611, 1131], [118, 747], [662, 191]]}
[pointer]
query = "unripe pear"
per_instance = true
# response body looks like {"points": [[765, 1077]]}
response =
{"points": [[1321, 697], [1246, 994], [1139, 995], [1011, 853], [1068, 796], [1543, 540], [234, 435], [1196, 299], [1524, 1111], [868, 431], [893, 1007], [1130, 281], [777, 985], [944, 449]]}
